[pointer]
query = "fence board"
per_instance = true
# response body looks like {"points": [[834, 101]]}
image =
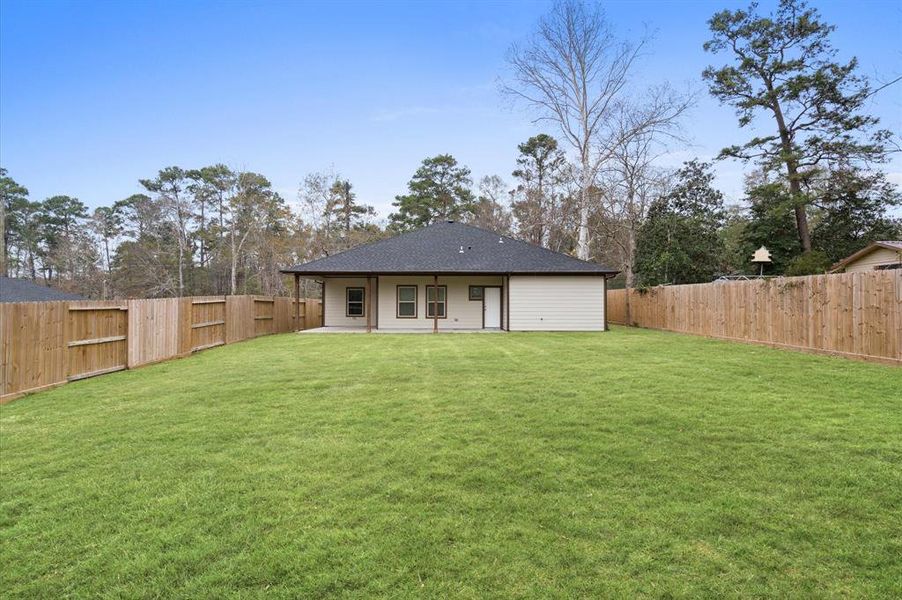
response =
{"points": [[857, 315], [264, 312], [47, 343], [206, 310], [240, 318], [89, 322], [153, 327], [32, 346]]}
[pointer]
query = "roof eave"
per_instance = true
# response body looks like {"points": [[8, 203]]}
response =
{"points": [[320, 273], [863, 252]]}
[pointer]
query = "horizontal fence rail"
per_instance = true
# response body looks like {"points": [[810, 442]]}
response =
{"points": [[857, 315], [45, 344]]}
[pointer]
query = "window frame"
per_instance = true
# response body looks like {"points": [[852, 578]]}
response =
{"points": [[416, 301], [443, 302], [481, 293], [348, 290]]}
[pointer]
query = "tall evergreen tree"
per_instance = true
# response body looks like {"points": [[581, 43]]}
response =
{"points": [[680, 242], [540, 172], [107, 225], [771, 224], [785, 66], [13, 201], [171, 185], [855, 209], [344, 209], [60, 220], [440, 189]]}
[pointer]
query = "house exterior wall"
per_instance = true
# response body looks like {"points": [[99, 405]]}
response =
{"points": [[557, 303], [880, 256], [463, 313], [334, 302]]}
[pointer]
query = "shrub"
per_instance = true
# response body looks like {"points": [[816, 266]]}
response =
{"points": [[810, 263]]}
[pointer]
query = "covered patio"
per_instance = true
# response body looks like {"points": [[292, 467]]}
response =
{"points": [[455, 277], [320, 330]]}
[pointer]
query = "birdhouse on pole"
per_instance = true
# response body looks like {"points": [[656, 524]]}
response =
{"points": [[761, 257]]}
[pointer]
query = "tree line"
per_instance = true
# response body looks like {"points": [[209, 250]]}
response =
{"points": [[591, 188]]}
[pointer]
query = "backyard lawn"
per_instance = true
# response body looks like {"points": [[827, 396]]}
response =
{"points": [[632, 463]]}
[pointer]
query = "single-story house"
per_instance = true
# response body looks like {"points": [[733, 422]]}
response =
{"points": [[451, 276], [879, 255], [25, 290]]}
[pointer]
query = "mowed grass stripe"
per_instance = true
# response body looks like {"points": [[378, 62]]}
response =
{"points": [[633, 463]]}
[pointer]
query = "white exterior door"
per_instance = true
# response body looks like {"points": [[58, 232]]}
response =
{"points": [[491, 306]]}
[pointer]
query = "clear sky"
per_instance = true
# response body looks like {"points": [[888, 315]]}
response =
{"points": [[95, 95]]}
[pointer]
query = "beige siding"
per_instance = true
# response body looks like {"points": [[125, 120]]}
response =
{"points": [[880, 256], [557, 303], [334, 303], [463, 313]]}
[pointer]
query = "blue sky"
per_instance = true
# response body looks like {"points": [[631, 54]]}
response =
{"points": [[95, 95]]}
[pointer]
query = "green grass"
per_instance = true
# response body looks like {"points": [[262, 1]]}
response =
{"points": [[632, 463]]}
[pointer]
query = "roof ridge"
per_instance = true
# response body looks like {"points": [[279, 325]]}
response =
{"points": [[426, 247], [527, 243]]}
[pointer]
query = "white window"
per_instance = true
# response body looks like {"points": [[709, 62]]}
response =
{"points": [[354, 301], [407, 302], [436, 305]]}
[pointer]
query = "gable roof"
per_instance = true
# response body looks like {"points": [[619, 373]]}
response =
{"points": [[888, 244], [448, 247], [23, 290]]}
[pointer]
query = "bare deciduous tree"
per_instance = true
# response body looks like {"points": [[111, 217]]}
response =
{"points": [[575, 71], [643, 133]]}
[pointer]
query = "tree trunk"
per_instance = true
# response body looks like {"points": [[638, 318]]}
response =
{"points": [[203, 235], [582, 246], [3, 248], [236, 251], [109, 267], [629, 267], [795, 187], [181, 267], [233, 279]]}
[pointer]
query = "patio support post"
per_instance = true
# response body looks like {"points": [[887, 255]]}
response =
{"points": [[322, 304], [297, 302], [605, 307], [435, 304], [369, 323]]}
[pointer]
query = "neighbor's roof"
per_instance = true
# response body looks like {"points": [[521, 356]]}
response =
{"points": [[23, 290], [447, 248], [888, 244]]}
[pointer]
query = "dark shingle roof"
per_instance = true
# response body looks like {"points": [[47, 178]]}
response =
{"points": [[23, 290], [437, 249]]}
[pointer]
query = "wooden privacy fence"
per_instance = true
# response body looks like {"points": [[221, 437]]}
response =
{"points": [[858, 315], [43, 344]]}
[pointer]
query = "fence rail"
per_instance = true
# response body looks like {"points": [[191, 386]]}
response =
{"points": [[44, 344], [858, 315]]}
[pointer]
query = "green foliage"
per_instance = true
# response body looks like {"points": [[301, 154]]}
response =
{"points": [[815, 262], [784, 66], [541, 169], [771, 224], [439, 190], [679, 241], [18, 224], [735, 259], [531, 465], [344, 208], [855, 208]]}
